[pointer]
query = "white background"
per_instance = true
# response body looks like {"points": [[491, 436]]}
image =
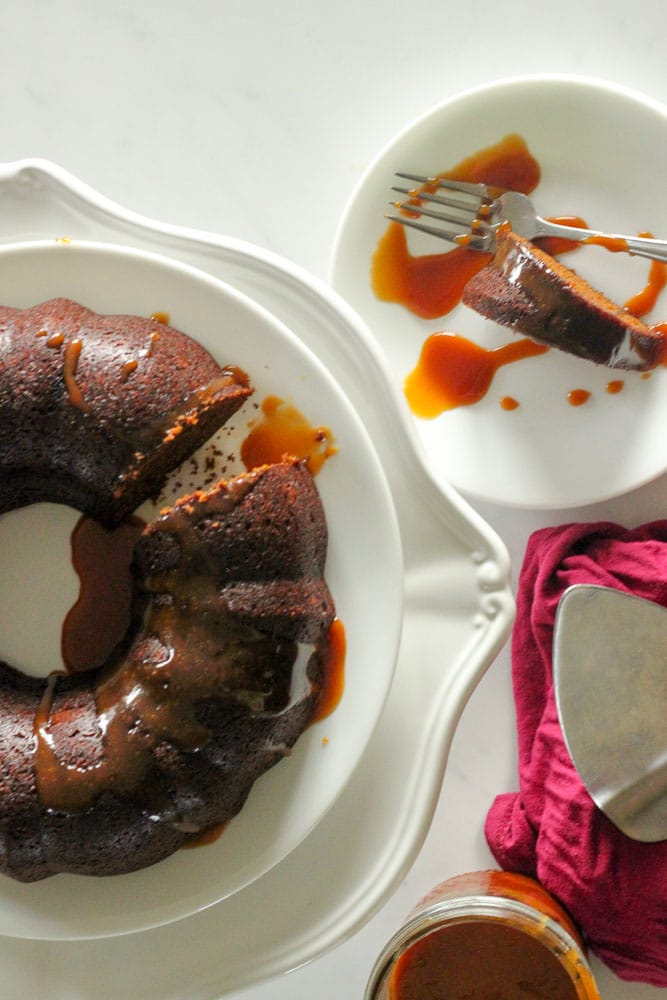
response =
{"points": [[255, 119]]}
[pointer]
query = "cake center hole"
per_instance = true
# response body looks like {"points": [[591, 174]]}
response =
{"points": [[65, 594]]}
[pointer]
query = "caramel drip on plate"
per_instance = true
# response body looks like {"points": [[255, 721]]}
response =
{"points": [[283, 430], [454, 371], [209, 835], [577, 397], [333, 682], [431, 285]]}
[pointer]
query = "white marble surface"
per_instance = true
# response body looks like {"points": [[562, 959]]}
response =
{"points": [[255, 119]]}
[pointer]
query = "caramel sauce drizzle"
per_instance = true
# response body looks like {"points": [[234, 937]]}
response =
{"points": [[645, 300], [147, 691], [153, 339], [50, 771], [71, 359], [190, 649], [131, 366], [70, 364], [327, 700], [127, 369]]}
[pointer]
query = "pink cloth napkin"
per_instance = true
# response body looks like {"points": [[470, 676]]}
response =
{"points": [[614, 887]]}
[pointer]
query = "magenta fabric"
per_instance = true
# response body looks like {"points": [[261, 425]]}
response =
{"points": [[614, 887]]}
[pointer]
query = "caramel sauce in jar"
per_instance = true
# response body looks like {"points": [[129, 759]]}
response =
{"points": [[481, 935]]}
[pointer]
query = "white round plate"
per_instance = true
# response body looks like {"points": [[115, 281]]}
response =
{"points": [[600, 149], [292, 798]]}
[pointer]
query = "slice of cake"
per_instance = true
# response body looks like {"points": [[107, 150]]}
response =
{"points": [[524, 288]]}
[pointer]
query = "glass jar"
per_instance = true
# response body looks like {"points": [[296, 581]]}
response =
{"points": [[480, 935]]}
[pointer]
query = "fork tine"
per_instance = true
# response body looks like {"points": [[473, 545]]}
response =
{"points": [[473, 228], [443, 234], [462, 206], [465, 187], [418, 210]]}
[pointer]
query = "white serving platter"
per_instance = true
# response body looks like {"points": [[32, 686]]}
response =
{"points": [[291, 799], [458, 613], [597, 145]]}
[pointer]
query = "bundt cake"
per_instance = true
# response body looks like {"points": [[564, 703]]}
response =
{"points": [[528, 290], [96, 410], [110, 771]]}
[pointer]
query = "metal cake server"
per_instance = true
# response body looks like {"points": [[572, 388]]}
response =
{"points": [[610, 683]]}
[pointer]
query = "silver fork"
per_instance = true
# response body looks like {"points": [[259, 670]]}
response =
{"points": [[473, 216]]}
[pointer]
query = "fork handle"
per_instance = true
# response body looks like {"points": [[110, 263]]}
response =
{"points": [[640, 246]]}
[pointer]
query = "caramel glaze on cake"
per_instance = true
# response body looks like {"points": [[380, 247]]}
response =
{"points": [[96, 410], [111, 771], [524, 288]]}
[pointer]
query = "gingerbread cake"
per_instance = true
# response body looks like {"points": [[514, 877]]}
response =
{"points": [[112, 770], [96, 410]]}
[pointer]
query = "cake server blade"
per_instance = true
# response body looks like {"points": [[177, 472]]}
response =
{"points": [[610, 683]]}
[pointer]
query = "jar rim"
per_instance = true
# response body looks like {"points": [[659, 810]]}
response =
{"points": [[466, 909]]}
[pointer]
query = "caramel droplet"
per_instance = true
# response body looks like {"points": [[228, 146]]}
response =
{"points": [[577, 397]]}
